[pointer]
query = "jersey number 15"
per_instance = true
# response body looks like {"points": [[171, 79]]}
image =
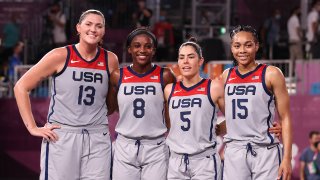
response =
{"points": [[239, 109]]}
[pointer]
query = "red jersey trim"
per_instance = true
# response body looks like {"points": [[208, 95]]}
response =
{"points": [[153, 76], [201, 88], [98, 62], [255, 76]]}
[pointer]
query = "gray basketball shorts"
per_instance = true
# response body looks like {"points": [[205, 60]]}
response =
{"points": [[79, 153], [203, 166], [143, 159], [250, 161]]}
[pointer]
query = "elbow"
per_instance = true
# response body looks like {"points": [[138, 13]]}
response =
{"points": [[19, 89], [16, 89]]}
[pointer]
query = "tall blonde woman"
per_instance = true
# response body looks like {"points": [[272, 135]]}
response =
{"points": [[76, 142]]}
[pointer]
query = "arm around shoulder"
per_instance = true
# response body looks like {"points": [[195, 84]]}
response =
{"points": [[112, 102], [167, 92], [217, 96], [168, 76], [217, 93]]}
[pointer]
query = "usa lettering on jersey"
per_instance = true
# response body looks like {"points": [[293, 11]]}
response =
{"points": [[186, 103], [139, 90]]}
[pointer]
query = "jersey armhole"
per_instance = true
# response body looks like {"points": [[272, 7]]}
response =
{"points": [[107, 61], [230, 70], [264, 80], [66, 62], [209, 94], [161, 78], [172, 89], [120, 78]]}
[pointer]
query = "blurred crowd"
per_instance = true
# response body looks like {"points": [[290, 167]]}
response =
{"points": [[276, 42], [301, 44], [310, 158]]}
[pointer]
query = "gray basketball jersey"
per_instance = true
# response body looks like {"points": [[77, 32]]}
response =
{"points": [[250, 107], [79, 91], [193, 116], [141, 103]]}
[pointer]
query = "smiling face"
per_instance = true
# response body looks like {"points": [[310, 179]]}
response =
{"points": [[91, 28], [141, 49], [189, 61], [244, 48]]}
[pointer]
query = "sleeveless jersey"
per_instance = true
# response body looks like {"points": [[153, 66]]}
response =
{"points": [[193, 116], [79, 91], [141, 103], [250, 107]]}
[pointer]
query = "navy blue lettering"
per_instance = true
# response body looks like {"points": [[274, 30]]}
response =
{"points": [[185, 103], [251, 89], [87, 77], [139, 90], [242, 90]]}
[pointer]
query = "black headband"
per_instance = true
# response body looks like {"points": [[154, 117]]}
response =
{"points": [[141, 31]]}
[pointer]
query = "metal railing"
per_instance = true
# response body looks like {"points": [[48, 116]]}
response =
{"points": [[212, 69], [42, 90]]}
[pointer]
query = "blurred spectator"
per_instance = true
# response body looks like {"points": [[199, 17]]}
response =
{"points": [[143, 15], [295, 36], [122, 14], [270, 34], [206, 20], [11, 32], [225, 38], [310, 159], [163, 30], [312, 29], [58, 20], [15, 60]]}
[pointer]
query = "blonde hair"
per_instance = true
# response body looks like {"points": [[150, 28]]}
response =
{"points": [[91, 11]]}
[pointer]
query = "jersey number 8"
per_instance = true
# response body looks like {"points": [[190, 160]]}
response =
{"points": [[138, 108]]}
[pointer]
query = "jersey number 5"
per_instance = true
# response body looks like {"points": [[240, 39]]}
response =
{"points": [[183, 118], [239, 108]]}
